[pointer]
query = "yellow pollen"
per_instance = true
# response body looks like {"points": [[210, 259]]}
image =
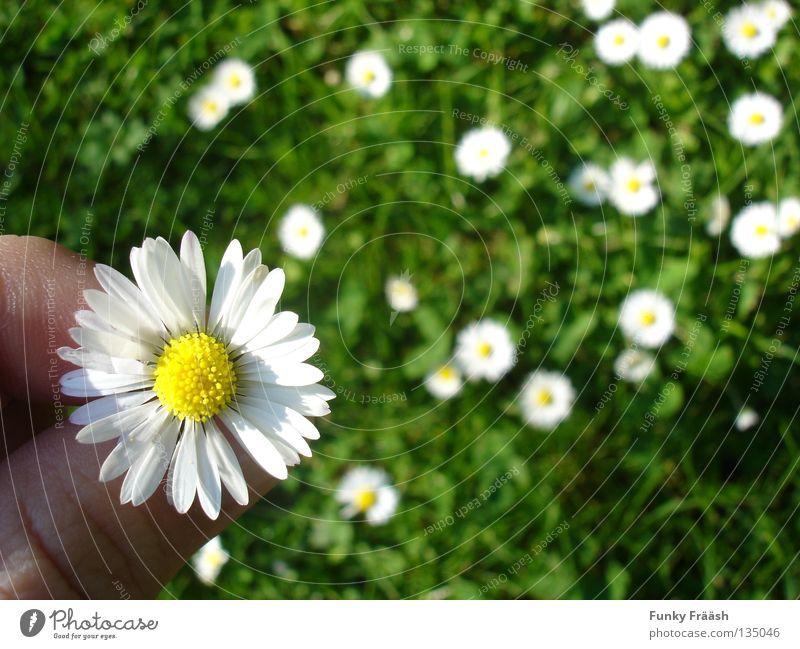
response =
{"points": [[634, 185], [210, 107], [369, 76], [302, 231], [544, 397], [662, 41], [749, 30], [365, 499], [756, 118], [194, 377], [446, 373], [619, 39], [589, 186], [235, 81], [485, 350], [648, 318], [214, 559], [483, 153], [761, 230]]}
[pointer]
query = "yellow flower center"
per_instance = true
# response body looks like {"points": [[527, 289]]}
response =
{"points": [[761, 230], [662, 41], [235, 81], [485, 350], [365, 499], [210, 107], [544, 397], [214, 559], [589, 186], [302, 231], [619, 39], [369, 76], [483, 153], [634, 185], [446, 373], [749, 30], [194, 377], [757, 118], [648, 318]]}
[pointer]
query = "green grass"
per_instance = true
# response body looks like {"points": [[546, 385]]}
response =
{"points": [[687, 508]]}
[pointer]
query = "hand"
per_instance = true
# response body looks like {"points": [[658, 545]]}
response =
{"points": [[63, 533]]}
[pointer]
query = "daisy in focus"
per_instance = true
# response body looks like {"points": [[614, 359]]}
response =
{"points": [[633, 365], [445, 382], [235, 79], [777, 12], [546, 399], [368, 492], [401, 294], [719, 214], [755, 118], [664, 40], [589, 184], [598, 9], [747, 31], [207, 107], [754, 231], [632, 190], [484, 351], [301, 232], [788, 217], [617, 41], [482, 153], [647, 318], [369, 74], [171, 376], [209, 560]]}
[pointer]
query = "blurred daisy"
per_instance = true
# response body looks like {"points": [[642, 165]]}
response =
{"points": [[235, 78], [401, 293], [369, 74], [589, 184], [664, 40], [631, 188], [719, 214], [444, 383], [777, 12], [647, 318], [755, 118], [616, 42], [747, 31], [754, 232], [633, 365], [209, 560], [301, 232], [482, 153], [484, 350], [546, 399], [747, 418], [788, 217], [207, 107], [598, 9], [368, 492], [172, 376]]}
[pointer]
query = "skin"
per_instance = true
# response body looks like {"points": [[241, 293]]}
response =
{"points": [[63, 533]]}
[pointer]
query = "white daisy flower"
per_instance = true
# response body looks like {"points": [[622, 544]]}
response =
{"points": [[171, 378], [209, 560], [368, 492], [369, 74], [664, 40], [747, 31], [589, 183], [777, 12], [755, 118], [719, 214], [747, 418], [445, 382], [482, 153], [401, 293], [235, 78], [754, 232], [546, 399], [631, 189], [301, 232], [633, 365], [598, 9], [617, 41], [484, 351], [207, 107], [788, 217], [647, 318]]}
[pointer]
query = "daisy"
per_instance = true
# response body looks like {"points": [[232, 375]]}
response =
{"points": [[484, 350], [235, 78], [747, 31], [788, 217], [647, 318], [207, 107], [172, 377], [209, 560], [633, 365], [777, 12], [482, 153], [747, 418], [755, 231], [589, 184], [664, 40], [369, 492], [369, 74], [719, 215], [598, 9], [631, 189], [546, 399], [445, 382], [616, 42], [401, 293], [301, 232], [755, 118]]}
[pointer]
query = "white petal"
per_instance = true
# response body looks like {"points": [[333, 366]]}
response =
{"points": [[282, 325], [93, 383], [183, 471], [115, 425], [155, 462], [228, 278], [267, 421], [288, 454], [92, 360], [284, 374], [209, 489], [110, 405], [120, 287], [123, 317], [194, 265], [153, 267], [229, 470], [112, 344], [91, 320], [307, 400], [235, 309], [259, 312], [255, 443], [285, 352]]}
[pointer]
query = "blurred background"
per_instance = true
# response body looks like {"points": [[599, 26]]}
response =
{"points": [[95, 131]]}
